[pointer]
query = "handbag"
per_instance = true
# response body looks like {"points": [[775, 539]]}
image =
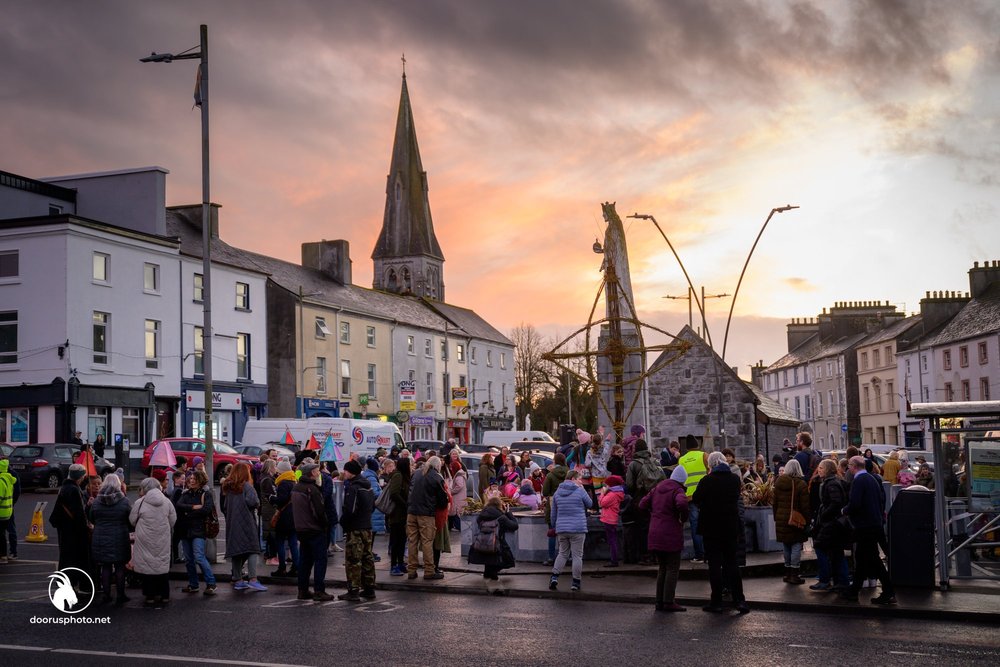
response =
{"points": [[384, 503], [796, 518], [276, 517], [211, 521]]}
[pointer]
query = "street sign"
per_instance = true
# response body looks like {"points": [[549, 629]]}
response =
{"points": [[459, 397], [843, 428], [402, 416], [362, 399]]}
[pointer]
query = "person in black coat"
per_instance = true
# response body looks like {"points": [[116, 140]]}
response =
{"points": [[503, 558], [69, 518], [356, 520], [718, 499], [194, 506], [829, 534], [284, 531], [866, 510], [110, 545]]}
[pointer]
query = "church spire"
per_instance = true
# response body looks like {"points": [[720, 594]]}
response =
{"points": [[407, 256]]}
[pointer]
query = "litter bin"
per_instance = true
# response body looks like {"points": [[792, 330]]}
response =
{"points": [[911, 539]]}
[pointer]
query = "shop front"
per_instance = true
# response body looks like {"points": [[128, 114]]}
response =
{"points": [[320, 407], [458, 429], [482, 423], [419, 427], [226, 405]]}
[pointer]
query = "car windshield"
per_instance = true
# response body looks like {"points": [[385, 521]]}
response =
{"points": [[223, 448], [27, 452]]}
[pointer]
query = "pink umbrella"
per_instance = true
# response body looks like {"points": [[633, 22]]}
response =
{"points": [[163, 455]]}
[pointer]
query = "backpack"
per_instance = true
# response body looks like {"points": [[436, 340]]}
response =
{"points": [[625, 504], [648, 476], [487, 538]]}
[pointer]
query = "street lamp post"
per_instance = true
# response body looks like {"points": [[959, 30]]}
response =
{"points": [[206, 233]]}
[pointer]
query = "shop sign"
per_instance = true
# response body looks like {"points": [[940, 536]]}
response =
{"points": [[407, 395], [221, 400], [458, 423], [428, 406], [419, 420], [459, 397]]}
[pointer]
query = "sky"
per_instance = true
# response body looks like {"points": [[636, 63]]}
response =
{"points": [[879, 118]]}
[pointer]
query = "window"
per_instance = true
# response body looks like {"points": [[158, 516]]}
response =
{"points": [[320, 375], [819, 371], [151, 277], [503, 394], [460, 353], [101, 262], [242, 296], [446, 386], [409, 345], [371, 381], [833, 406], [8, 337], [927, 394], [130, 424], [907, 366], [966, 391], [923, 359], [370, 336], [949, 394], [322, 331], [878, 398], [864, 361], [428, 348], [472, 394], [963, 356], [784, 378], [101, 321], [983, 354], [808, 407], [840, 400], [199, 351], [429, 387], [489, 358], [411, 376], [243, 356], [946, 359], [795, 375], [97, 423], [444, 350], [888, 355], [472, 355], [503, 360], [876, 358], [55, 209], [890, 391], [829, 369], [345, 332], [868, 403], [984, 389], [819, 404], [9, 264], [345, 377], [461, 380], [489, 393], [798, 407], [152, 344], [199, 288]]}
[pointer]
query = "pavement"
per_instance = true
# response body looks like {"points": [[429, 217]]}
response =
{"points": [[632, 584]]}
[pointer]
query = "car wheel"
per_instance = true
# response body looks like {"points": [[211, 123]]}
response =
{"points": [[53, 481]]}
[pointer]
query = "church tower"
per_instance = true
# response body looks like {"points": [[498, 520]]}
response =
{"points": [[407, 256]]}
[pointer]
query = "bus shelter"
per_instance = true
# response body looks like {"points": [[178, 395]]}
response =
{"points": [[966, 446]]}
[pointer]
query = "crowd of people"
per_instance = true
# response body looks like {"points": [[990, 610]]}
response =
{"points": [[283, 513]]}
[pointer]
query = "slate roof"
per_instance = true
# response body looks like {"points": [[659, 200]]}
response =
{"points": [[360, 300], [800, 355], [893, 331], [979, 317], [774, 411], [831, 348]]}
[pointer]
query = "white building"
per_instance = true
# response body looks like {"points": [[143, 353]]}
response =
{"points": [[88, 335]]}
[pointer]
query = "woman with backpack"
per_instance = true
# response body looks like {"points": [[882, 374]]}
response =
{"points": [[791, 506], [668, 508], [489, 547], [641, 477]]}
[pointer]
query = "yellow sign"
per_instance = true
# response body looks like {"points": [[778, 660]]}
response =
{"points": [[36, 533], [459, 397]]}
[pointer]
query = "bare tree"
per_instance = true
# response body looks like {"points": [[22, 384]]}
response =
{"points": [[529, 368]]}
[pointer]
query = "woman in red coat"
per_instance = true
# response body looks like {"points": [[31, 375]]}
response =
{"points": [[668, 507]]}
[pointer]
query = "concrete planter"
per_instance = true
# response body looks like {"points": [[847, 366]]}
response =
{"points": [[761, 519], [531, 543]]}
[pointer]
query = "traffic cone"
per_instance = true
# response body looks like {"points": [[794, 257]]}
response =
{"points": [[86, 459], [36, 533]]}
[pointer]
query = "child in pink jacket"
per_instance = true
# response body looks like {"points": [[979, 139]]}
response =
{"points": [[612, 496]]}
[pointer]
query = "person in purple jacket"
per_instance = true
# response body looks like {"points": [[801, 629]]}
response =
{"points": [[668, 507]]}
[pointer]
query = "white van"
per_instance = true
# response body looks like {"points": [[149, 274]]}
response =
{"points": [[507, 438], [363, 436]]}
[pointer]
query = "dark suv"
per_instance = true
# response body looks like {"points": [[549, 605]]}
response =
{"points": [[47, 464]]}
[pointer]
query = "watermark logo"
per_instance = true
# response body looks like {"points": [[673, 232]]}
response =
{"points": [[62, 595]]}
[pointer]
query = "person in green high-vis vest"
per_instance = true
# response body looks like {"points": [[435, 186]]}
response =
{"points": [[10, 489], [695, 463]]}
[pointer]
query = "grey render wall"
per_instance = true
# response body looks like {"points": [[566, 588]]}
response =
{"points": [[281, 356]]}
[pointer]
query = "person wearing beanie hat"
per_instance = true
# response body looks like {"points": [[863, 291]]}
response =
{"points": [[284, 466], [69, 518], [356, 520], [668, 508], [526, 496], [284, 525], [611, 499], [159, 474], [641, 477], [628, 444]]}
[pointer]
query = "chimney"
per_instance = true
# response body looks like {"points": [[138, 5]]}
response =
{"points": [[331, 257], [938, 307], [192, 214], [982, 277], [800, 330], [757, 374]]}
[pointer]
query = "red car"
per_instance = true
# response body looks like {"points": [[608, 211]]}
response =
{"points": [[192, 447]]}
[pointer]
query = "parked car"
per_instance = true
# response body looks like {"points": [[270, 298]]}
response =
{"points": [[424, 445], [47, 464], [256, 450], [192, 447], [5, 449]]}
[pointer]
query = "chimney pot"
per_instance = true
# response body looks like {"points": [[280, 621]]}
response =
{"points": [[975, 265]]}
